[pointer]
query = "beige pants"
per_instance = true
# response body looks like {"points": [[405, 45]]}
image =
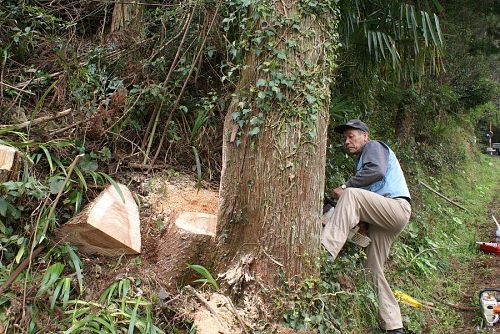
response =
{"points": [[386, 218]]}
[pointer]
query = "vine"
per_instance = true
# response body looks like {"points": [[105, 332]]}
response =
{"points": [[283, 56]]}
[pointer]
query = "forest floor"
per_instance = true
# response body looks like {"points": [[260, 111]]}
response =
{"points": [[161, 196]]}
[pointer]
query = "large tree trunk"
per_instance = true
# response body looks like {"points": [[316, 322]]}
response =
{"points": [[272, 184]]}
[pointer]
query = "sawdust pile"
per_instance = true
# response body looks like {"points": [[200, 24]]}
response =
{"points": [[167, 195]]}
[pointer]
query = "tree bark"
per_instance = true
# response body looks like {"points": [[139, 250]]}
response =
{"points": [[272, 184], [127, 15]]}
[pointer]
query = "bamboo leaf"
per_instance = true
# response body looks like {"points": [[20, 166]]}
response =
{"points": [[81, 177], [49, 158], [79, 324], [375, 45], [414, 29], [408, 16], [108, 324], [424, 27], [438, 28], [380, 43], [108, 293], [439, 7], [51, 275], [20, 253], [55, 294], [5, 297], [115, 185], [77, 265], [39, 103], [133, 318], [66, 290], [390, 46], [431, 30], [124, 287], [369, 42], [205, 273], [200, 120], [198, 168]]}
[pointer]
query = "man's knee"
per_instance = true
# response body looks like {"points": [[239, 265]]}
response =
{"points": [[349, 194]]}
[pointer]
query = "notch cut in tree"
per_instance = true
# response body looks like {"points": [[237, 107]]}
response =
{"points": [[109, 225], [9, 163]]}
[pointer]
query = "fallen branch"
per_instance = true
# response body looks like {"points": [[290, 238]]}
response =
{"points": [[35, 80], [458, 307], [38, 120], [56, 132], [235, 312], [20, 268], [134, 165], [442, 196], [14, 87]]}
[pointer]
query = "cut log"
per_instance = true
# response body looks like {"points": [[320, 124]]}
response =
{"points": [[107, 226], [187, 239], [9, 163]]}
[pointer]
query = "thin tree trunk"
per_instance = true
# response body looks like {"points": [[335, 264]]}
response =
{"points": [[127, 14]]}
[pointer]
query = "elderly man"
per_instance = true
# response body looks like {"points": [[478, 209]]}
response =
{"points": [[378, 195]]}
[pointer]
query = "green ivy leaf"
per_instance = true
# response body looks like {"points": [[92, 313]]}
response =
{"points": [[56, 182], [87, 164], [281, 55], [261, 83], [311, 99], [3, 207], [254, 131]]}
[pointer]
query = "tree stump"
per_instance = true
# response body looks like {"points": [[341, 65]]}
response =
{"points": [[9, 163], [109, 225], [188, 238]]}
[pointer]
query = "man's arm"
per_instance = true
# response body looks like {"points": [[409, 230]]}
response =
{"points": [[373, 169], [374, 165]]}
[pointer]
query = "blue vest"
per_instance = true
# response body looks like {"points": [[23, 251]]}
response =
{"points": [[393, 184]]}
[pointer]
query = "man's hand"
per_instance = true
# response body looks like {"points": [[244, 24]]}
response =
{"points": [[337, 192]]}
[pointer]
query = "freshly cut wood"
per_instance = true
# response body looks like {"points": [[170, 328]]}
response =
{"points": [[197, 222], [108, 226], [187, 237], [9, 163]]}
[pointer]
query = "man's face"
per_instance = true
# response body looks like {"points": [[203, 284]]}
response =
{"points": [[354, 140]]}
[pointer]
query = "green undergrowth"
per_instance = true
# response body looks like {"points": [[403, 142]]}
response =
{"points": [[340, 301], [430, 261]]}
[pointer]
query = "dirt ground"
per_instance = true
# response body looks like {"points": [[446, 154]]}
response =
{"points": [[486, 274]]}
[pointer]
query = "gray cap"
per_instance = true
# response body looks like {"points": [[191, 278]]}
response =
{"points": [[352, 124]]}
